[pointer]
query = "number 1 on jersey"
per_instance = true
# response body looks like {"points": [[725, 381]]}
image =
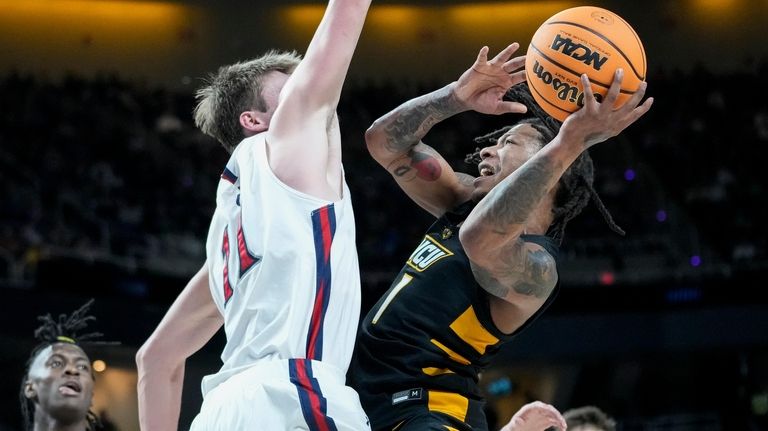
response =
{"points": [[403, 282]]}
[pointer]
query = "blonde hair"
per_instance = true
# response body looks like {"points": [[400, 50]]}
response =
{"points": [[234, 89]]}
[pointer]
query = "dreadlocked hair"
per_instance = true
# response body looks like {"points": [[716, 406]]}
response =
{"points": [[575, 187], [65, 329]]}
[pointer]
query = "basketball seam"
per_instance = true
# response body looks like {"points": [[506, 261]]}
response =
{"points": [[639, 43], [533, 87], [632, 66], [593, 81]]}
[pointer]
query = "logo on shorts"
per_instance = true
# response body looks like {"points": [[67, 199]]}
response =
{"points": [[427, 253], [409, 395]]}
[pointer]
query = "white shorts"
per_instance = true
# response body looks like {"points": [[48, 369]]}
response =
{"points": [[291, 394]]}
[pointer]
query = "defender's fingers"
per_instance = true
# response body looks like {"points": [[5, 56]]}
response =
{"points": [[514, 64], [615, 88], [560, 421], [554, 423], [506, 53], [554, 416]]}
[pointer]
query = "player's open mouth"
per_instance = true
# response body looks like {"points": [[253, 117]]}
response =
{"points": [[486, 170], [70, 388]]}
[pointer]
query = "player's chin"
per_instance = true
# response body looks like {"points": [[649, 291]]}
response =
{"points": [[479, 192], [483, 185], [69, 409]]}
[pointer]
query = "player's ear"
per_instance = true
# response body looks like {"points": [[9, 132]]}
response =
{"points": [[253, 121], [29, 391]]}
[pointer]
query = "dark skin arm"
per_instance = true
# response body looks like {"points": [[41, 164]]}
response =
{"points": [[394, 140], [520, 276]]}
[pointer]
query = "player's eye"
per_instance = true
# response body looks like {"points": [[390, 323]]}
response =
{"points": [[82, 367], [56, 363]]}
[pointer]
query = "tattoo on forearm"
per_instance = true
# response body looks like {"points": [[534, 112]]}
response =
{"points": [[515, 198], [409, 123], [417, 164]]}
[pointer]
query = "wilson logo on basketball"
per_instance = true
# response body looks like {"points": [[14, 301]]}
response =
{"points": [[564, 91], [578, 51], [427, 253]]}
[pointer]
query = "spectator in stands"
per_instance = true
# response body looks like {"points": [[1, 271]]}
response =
{"points": [[588, 418], [57, 388]]}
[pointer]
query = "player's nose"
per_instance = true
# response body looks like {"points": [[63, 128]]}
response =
{"points": [[487, 152], [71, 369]]}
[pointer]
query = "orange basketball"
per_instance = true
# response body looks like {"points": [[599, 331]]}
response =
{"points": [[581, 40]]}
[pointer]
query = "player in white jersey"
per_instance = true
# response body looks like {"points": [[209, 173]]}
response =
{"points": [[282, 273], [267, 245]]}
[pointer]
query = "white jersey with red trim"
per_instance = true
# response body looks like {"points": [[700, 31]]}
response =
{"points": [[283, 268]]}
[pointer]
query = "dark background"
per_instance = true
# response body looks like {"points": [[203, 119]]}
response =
{"points": [[106, 190]]}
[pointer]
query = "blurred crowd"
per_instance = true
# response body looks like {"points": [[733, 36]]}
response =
{"points": [[102, 169]]}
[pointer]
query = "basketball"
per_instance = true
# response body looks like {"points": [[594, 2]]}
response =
{"points": [[582, 40]]}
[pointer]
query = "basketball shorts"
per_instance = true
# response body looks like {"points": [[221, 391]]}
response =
{"points": [[276, 395], [432, 421]]}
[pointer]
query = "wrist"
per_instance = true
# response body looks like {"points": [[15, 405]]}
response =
{"points": [[455, 99], [565, 148], [572, 136]]}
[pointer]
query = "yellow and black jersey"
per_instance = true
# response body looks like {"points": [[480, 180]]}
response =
{"points": [[423, 345]]}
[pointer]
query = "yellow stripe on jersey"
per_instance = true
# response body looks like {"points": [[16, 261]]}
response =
{"points": [[432, 371], [469, 329], [448, 403], [450, 428], [451, 354]]}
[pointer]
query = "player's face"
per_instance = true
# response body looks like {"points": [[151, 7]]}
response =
{"points": [[60, 382], [272, 84], [512, 149]]}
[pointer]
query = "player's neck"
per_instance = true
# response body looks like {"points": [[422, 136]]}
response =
{"points": [[44, 422]]}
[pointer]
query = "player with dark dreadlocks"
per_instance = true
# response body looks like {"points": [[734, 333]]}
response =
{"points": [[486, 268], [57, 388], [575, 188]]}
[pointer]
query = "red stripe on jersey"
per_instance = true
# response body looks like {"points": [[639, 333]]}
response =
{"points": [[314, 397]]}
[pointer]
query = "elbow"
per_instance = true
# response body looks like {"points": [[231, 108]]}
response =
{"points": [[375, 140], [484, 245], [472, 241], [144, 357], [151, 357]]}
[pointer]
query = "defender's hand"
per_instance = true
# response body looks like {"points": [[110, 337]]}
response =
{"points": [[482, 87], [536, 416]]}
